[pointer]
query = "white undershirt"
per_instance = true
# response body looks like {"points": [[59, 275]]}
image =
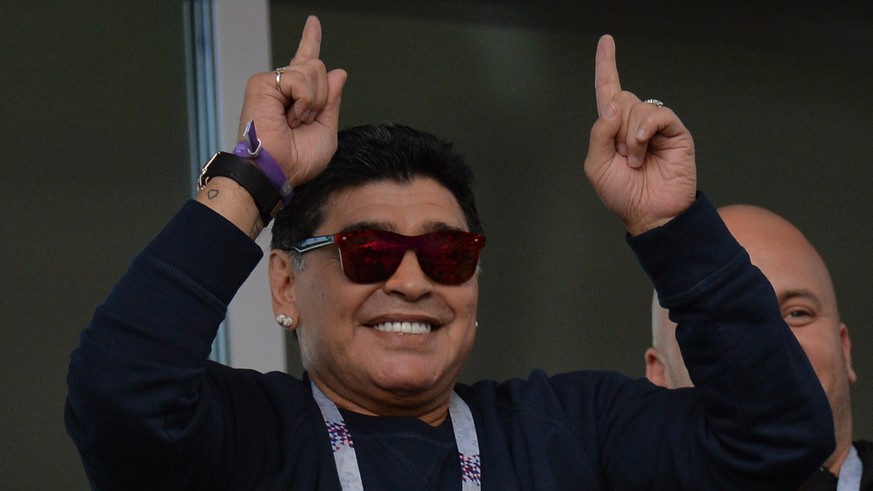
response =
{"points": [[850, 472]]}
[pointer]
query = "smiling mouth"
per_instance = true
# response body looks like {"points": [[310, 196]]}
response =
{"points": [[404, 327]]}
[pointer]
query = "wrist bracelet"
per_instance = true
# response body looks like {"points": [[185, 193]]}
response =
{"points": [[250, 148], [247, 175]]}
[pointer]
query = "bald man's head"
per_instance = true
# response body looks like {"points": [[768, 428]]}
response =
{"points": [[809, 305]]}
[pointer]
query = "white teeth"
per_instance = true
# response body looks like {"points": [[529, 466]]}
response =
{"points": [[404, 327]]}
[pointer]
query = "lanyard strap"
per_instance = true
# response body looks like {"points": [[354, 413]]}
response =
{"points": [[347, 461], [850, 472]]}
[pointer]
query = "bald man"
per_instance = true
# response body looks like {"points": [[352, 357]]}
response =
{"points": [[809, 305]]}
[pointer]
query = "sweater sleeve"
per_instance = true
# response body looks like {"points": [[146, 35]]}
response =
{"points": [[137, 394], [757, 417]]}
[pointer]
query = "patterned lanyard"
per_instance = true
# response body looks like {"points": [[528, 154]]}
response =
{"points": [[347, 461]]}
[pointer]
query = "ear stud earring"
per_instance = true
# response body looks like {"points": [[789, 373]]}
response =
{"points": [[284, 321]]}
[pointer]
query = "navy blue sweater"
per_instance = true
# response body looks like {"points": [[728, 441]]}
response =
{"points": [[147, 410]]}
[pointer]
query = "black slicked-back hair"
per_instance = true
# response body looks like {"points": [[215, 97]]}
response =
{"points": [[367, 154]]}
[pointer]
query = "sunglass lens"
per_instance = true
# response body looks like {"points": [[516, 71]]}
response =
{"points": [[449, 258], [369, 256]]}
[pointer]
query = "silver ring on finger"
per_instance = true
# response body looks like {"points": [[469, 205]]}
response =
{"points": [[654, 102], [279, 71]]}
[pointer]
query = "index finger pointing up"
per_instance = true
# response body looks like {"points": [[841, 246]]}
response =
{"points": [[310, 41], [606, 83]]}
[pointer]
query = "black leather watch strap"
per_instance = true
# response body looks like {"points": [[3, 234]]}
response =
{"points": [[248, 176]]}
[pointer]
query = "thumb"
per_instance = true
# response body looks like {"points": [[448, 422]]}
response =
{"points": [[601, 142], [336, 80]]}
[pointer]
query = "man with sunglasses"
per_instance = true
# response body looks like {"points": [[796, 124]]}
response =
{"points": [[374, 267]]}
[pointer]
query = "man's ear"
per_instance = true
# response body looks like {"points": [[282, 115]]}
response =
{"points": [[282, 275], [847, 352], [655, 367]]}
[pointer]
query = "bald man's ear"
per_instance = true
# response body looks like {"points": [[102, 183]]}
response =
{"points": [[655, 367], [847, 352]]}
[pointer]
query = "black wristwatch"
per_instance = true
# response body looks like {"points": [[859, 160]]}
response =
{"points": [[249, 176]]}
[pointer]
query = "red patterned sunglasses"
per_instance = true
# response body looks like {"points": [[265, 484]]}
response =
{"points": [[372, 256]]}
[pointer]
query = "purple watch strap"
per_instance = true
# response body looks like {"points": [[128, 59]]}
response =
{"points": [[250, 148]]}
